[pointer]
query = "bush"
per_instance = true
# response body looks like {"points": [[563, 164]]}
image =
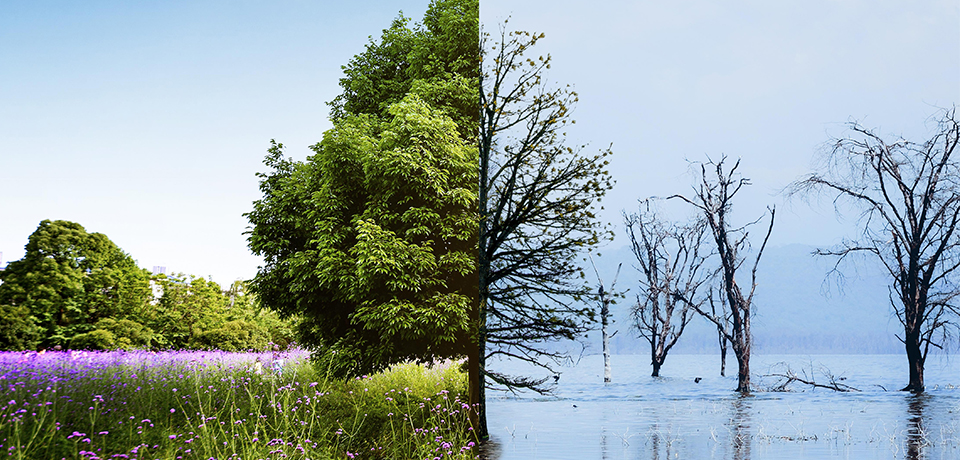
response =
{"points": [[98, 339], [128, 334]]}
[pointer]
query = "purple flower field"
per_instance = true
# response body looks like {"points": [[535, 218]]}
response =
{"points": [[219, 405]]}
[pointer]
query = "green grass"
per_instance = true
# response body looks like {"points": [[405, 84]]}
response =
{"points": [[216, 406]]}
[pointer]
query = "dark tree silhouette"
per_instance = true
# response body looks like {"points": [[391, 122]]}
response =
{"points": [[909, 196], [537, 212]]}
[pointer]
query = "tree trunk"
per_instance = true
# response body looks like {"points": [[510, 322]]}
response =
{"points": [[743, 372], [656, 368], [606, 348], [723, 353], [915, 361], [478, 397]]}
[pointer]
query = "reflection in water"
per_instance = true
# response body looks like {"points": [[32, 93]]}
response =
{"points": [[489, 449], [646, 419], [740, 428], [916, 432]]}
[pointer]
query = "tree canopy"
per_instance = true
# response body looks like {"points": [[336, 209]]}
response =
{"points": [[78, 290], [69, 279], [373, 238]]}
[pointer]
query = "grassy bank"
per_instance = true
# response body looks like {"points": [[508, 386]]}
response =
{"points": [[214, 405]]}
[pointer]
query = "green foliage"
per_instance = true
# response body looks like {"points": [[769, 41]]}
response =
{"points": [[129, 334], [235, 335], [187, 306], [77, 289], [69, 279], [18, 330], [437, 60], [372, 240], [386, 272], [97, 339], [193, 313]]}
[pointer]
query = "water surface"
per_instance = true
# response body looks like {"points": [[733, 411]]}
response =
{"points": [[641, 417]]}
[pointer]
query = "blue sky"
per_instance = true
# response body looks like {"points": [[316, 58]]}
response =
{"points": [[146, 121], [768, 82]]}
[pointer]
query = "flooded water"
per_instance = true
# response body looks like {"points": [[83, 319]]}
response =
{"points": [[673, 416]]}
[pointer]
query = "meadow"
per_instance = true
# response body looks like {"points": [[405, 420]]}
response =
{"points": [[219, 405]]}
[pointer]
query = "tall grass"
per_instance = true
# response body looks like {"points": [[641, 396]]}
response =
{"points": [[214, 405]]}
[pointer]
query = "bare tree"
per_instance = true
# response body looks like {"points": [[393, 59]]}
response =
{"points": [[538, 200], [723, 323], [672, 260], [605, 298], [713, 197], [909, 196]]}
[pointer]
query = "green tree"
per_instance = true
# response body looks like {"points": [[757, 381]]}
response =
{"points": [[236, 335], [438, 60], [70, 279], [188, 306], [372, 240]]}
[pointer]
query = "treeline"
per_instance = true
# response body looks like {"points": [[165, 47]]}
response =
{"points": [[78, 290]]}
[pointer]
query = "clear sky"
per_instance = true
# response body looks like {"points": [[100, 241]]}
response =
{"points": [[766, 81], [147, 120]]}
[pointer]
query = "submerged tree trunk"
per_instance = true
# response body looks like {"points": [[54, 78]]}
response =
{"points": [[723, 353], [607, 374], [743, 367], [657, 364], [605, 302], [915, 360]]}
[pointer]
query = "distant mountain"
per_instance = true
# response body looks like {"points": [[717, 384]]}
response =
{"points": [[797, 308]]}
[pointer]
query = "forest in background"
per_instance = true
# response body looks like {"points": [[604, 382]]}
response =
{"points": [[76, 289]]}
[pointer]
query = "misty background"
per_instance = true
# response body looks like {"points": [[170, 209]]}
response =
{"points": [[769, 83]]}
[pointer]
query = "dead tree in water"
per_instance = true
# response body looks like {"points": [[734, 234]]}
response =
{"points": [[713, 197], [672, 260], [788, 376], [605, 300], [724, 320], [909, 195]]}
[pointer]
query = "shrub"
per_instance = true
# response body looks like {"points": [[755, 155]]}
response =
{"points": [[128, 334], [98, 339]]}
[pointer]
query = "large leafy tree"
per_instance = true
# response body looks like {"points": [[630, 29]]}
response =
{"points": [[538, 198], [438, 60], [373, 239], [69, 279]]}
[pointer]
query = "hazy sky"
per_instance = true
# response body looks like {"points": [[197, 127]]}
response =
{"points": [[768, 82], [146, 121]]}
